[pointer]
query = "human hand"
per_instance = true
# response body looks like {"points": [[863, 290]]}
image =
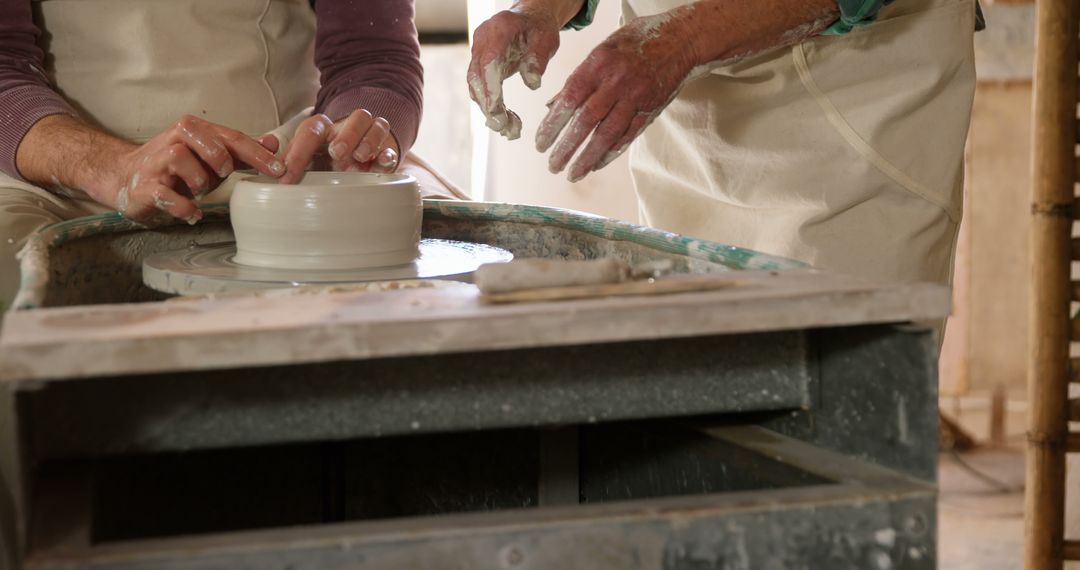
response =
{"points": [[359, 143], [176, 167], [520, 40], [619, 89]]}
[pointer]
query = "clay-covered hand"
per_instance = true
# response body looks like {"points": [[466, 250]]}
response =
{"points": [[615, 93], [520, 40], [171, 171], [358, 143]]}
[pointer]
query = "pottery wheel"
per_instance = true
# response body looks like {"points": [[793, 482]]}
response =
{"points": [[210, 268]]}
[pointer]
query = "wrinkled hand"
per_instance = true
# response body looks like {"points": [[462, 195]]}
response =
{"points": [[359, 143], [615, 93], [181, 164], [512, 41]]}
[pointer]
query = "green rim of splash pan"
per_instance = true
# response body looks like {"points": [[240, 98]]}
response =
{"points": [[34, 258]]}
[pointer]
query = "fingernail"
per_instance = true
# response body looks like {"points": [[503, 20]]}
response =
{"points": [[277, 167], [336, 150], [194, 218], [387, 157], [532, 81], [226, 169], [363, 152]]}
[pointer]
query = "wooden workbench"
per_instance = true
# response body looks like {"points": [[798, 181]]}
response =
{"points": [[789, 421]]}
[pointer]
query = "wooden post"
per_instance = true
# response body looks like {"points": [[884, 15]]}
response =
{"points": [[998, 402], [1054, 174]]}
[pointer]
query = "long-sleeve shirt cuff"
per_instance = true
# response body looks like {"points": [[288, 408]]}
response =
{"points": [[857, 12], [24, 105], [399, 111], [854, 13], [584, 17]]}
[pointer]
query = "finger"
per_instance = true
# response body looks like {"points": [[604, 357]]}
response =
{"points": [[509, 126], [493, 60], [345, 165], [579, 87], [180, 162], [485, 79], [310, 135], [585, 120], [144, 201], [269, 142], [386, 161], [223, 148], [347, 134], [248, 151], [197, 135], [167, 200], [485, 87], [638, 124], [373, 140], [539, 49], [604, 138], [487, 71]]}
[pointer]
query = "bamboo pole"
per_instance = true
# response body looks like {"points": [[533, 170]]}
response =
{"points": [[1054, 173], [1072, 443], [997, 416], [1072, 550]]}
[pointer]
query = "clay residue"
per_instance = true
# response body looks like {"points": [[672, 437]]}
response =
{"points": [[94, 318], [122, 200], [647, 28], [318, 290], [489, 92], [34, 266], [161, 203], [553, 124], [527, 70], [800, 33], [61, 189], [577, 132]]}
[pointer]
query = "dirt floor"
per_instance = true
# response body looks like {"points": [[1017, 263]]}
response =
{"points": [[981, 509]]}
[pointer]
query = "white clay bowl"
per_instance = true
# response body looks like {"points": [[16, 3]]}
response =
{"points": [[329, 220]]}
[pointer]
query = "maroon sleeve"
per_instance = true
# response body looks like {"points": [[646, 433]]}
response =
{"points": [[368, 57], [25, 93]]}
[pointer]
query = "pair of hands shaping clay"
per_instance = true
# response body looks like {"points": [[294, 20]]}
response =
{"points": [[169, 175]]}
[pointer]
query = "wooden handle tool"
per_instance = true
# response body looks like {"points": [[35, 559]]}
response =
{"points": [[529, 280]]}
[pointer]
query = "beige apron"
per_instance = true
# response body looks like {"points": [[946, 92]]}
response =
{"points": [[843, 152], [135, 66]]}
